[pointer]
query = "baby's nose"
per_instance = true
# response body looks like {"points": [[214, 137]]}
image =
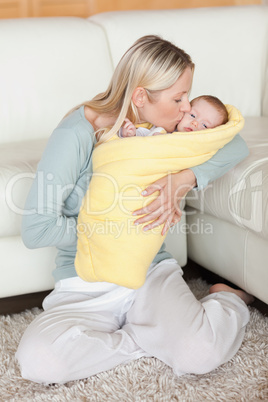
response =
{"points": [[194, 123]]}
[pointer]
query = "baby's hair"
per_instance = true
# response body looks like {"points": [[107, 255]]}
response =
{"points": [[216, 102]]}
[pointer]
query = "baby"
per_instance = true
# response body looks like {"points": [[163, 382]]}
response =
{"points": [[207, 112]]}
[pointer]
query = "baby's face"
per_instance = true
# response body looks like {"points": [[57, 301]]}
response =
{"points": [[202, 115]]}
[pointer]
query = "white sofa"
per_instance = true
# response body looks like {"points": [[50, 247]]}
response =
{"points": [[49, 65]]}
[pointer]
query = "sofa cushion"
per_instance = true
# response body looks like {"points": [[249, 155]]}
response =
{"points": [[48, 66], [18, 162], [241, 195]]}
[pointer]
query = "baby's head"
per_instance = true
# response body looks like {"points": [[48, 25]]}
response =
{"points": [[207, 112]]}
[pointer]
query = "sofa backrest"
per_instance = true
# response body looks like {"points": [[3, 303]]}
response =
{"points": [[229, 46], [48, 66]]}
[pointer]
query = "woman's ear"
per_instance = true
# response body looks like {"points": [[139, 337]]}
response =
{"points": [[139, 97]]}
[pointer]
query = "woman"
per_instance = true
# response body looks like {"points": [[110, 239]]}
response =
{"points": [[87, 328]]}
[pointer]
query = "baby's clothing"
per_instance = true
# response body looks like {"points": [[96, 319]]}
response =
{"points": [[145, 132]]}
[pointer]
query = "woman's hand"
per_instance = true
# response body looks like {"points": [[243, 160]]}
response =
{"points": [[166, 207]]}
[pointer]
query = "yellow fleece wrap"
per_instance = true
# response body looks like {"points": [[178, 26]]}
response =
{"points": [[110, 247]]}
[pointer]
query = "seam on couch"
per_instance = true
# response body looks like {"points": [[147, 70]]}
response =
{"points": [[107, 40], [245, 284]]}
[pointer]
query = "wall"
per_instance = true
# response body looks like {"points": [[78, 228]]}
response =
{"points": [[85, 8]]}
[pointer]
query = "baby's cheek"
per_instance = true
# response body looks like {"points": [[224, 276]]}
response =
{"points": [[180, 126]]}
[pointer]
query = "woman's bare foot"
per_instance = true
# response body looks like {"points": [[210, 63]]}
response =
{"points": [[221, 287]]}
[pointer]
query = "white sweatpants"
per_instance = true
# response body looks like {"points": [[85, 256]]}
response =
{"points": [[87, 328]]}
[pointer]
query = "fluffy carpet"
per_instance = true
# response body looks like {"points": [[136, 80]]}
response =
{"points": [[244, 378]]}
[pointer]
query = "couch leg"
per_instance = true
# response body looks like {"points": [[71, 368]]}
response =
{"points": [[17, 304]]}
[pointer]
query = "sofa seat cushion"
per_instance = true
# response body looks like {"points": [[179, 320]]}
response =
{"points": [[241, 195], [18, 162]]}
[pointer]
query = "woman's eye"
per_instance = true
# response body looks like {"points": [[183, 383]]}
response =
{"points": [[178, 100]]}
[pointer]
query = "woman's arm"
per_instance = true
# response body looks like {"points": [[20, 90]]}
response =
{"points": [[174, 187], [223, 161], [47, 221]]}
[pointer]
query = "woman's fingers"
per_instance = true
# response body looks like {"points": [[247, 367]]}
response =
{"points": [[152, 207], [162, 214], [157, 203], [166, 207], [150, 215], [156, 186], [158, 211], [158, 222], [177, 217], [172, 219], [168, 223], [168, 218]]}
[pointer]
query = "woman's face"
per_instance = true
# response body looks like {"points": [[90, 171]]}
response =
{"points": [[170, 104]]}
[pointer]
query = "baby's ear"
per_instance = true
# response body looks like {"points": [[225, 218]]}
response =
{"points": [[139, 97]]}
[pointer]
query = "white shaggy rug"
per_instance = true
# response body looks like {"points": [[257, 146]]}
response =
{"points": [[244, 378]]}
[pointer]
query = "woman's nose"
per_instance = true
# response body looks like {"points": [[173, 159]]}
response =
{"points": [[186, 107]]}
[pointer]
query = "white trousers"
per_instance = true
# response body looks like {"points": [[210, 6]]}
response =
{"points": [[87, 328]]}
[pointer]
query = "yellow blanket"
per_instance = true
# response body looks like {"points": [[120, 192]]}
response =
{"points": [[110, 247]]}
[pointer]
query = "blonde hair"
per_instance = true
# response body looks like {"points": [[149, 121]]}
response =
{"points": [[217, 103], [152, 63]]}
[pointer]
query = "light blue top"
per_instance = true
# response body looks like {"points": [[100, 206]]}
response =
{"points": [[63, 176]]}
